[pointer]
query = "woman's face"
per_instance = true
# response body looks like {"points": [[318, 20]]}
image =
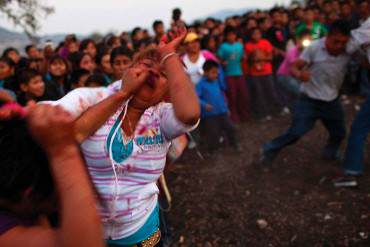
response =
{"points": [[256, 35], [252, 23], [87, 63], [120, 63], [116, 43], [58, 68], [5, 70], [105, 64], [13, 55], [211, 45], [154, 89], [193, 47], [91, 49], [35, 87]]}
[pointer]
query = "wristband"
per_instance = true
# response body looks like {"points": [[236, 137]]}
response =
{"points": [[166, 57]]}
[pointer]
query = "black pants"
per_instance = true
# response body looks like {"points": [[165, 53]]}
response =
{"points": [[214, 126]]}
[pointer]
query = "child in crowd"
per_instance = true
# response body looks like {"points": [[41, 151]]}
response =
{"points": [[79, 78], [88, 46], [95, 80], [13, 54], [7, 80], [214, 111], [104, 66], [82, 61], [231, 54], [32, 86], [264, 96], [120, 59], [57, 79], [49, 175]]}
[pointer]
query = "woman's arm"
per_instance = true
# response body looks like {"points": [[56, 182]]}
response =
{"points": [[88, 123], [80, 224], [182, 93]]}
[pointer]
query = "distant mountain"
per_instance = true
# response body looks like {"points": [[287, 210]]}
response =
{"points": [[20, 40]]}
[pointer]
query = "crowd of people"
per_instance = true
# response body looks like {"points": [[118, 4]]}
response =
{"points": [[149, 89]]}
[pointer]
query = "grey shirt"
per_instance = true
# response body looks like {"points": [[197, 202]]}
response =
{"points": [[327, 71]]}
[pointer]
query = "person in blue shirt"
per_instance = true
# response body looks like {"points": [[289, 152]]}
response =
{"points": [[214, 110], [231, 53]]}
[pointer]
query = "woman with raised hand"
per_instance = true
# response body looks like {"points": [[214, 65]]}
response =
{"points": [[42, 171], [131, 132]]}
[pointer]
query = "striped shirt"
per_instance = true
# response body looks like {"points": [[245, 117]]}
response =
{"points": [[128, 187]]}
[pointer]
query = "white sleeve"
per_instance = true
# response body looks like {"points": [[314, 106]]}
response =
{"points": [[79, 100], [171, 127]]}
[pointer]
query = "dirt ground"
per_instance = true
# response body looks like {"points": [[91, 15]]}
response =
{"points": [[232, 200]]}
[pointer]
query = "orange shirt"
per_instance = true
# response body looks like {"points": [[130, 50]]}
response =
{"points": [[261, 49]]}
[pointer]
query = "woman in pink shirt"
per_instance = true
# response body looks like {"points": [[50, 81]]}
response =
{"points": [[287, 82]]}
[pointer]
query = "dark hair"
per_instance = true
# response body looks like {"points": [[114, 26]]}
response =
{"points": [[77, 74], [252, 30], [340, 26], [210, 64], [176, 14], [104, 50], [84, 43], [205, 40], [135, 31], [26, 75], [8, 50], [58, 57], [29, 47], [96, 78], [230, 29], [120, 51], [20, 172], [76, 58], [111, 39], [274, 10], [8, 61], [157, 23], [304, 32]]}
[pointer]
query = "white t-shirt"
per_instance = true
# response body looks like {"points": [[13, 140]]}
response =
{"points": [[194, 70], [327, 71], [128, 187]]}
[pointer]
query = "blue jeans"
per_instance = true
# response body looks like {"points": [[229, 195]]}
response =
{"points": [[306, 112], [354, 157]]}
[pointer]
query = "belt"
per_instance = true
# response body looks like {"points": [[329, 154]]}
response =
{"points": [[151, 241]]}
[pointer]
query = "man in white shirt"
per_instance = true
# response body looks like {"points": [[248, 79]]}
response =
{"points": [[321, 69]]}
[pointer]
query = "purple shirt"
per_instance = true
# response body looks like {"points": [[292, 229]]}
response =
{"points": [[290, 57]]}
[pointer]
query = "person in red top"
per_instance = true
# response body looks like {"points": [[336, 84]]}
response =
{"points": [[264, 96]]}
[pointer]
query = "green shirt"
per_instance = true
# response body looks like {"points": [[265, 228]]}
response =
{"points": [[317, 31]]}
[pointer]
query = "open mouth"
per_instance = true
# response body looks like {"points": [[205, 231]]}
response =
{"points": [[151, 80]]}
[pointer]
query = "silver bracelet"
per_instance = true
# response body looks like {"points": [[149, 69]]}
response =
{"points": [[166, 57]]}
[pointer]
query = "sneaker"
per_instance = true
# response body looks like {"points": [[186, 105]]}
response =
{"points": [[345, 181], [285, 111], [268, 118]]}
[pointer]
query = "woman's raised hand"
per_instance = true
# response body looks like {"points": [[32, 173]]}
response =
{"points": [[172, 41], [133, 78], [52, 127]]}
